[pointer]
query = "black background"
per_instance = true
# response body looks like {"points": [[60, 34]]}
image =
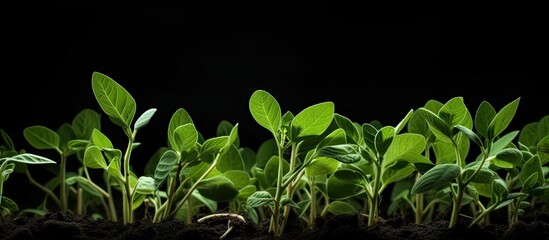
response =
{"points": [[373, 62]]}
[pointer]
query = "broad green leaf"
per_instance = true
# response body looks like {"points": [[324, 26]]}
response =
{"points": [[312, 121], [100, 140], [271, 169], [531, 167], [445, 153], [287, 118], [230, 160], [507, 158], [210, 204], [8, 204], [436, 177], [383, 139], [484, 115], [401, 168], [85, 122], [260, 198], [145, 185], [499, 191], [65, 133], [41, 137], [218, 188], [502, 142], [345, 153], [213, 145], [151, 165], [93, 158], [265, 110], [248, 157], [529, 134], [144, 119], [114, 100], [233, 136], [239, 178], [246, 192], [454, 112], [484, 175], [224, 128], [348, 126], [404, 144], [266, 150], [437, 125], [166, 163], [418, 124], [502, 119], [321, 166], [340, 189], [28, 158], [184, 137], [340, 207], [194, 172]]}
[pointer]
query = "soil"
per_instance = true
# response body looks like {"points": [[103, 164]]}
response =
{"points": [[71, 226]]}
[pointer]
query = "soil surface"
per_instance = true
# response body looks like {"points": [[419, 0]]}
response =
{"points": [[71, 226]]}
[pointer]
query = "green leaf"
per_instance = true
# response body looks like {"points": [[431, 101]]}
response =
{"points": [[543, 150], [404, 144], [144, 119], [213, 145], [321, 166], [224, 128], [401, 168], [384, 138], [348, 126], [218, 188], [345, 153], [334, 138], [404, 121], [340, 207], [502, 142], [502, 119], [265, 110], [114, 169], [145, 185], [312, 121], [233, 136], [260, 198], [114, 100], [266, 150], [93, 158], [28, 158], [344, 184], [179, 118], [499, 191], [484, 115], [531, 167], [230, 160], [100, 140], [471, 135], [507, 158], [184, 137], [454, 112], [167, 162], [8, 204], [439, 128], [529, 134], [436, 177], [41, 137], [85, 122], [7, 140], [239, 178], [369, 134], [271, 169]]}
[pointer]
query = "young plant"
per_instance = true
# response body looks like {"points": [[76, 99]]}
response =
{"points": [[290, 133], [120, 107], [451, 124]]}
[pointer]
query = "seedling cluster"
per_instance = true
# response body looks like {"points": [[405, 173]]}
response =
{"points": [[317, 162]]}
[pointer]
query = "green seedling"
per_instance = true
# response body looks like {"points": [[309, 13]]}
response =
{"points": [[451, 124]]}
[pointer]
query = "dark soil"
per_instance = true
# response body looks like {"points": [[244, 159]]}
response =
{"points": [[344, 227]]}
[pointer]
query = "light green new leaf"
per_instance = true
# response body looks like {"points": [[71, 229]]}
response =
{"points": [[93, 158], [239, 178], [436, 177], [531, 167], [260, 198], [345, 153], [84, 123], [502, 119], [179, 118], [114, 100], [502, 142], [271, 170], [344, 184], [233, 136], [312, 121], [42, 137], [507, 158], [184, 137], [403, 144], [401, 168], [265, 110], [114, 169], [167, 162], [484, 115], [144, 119], [145, 185], [454, 112], [28, 158]]}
